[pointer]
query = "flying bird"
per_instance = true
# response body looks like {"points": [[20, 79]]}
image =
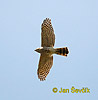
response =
{"points": [[47, 49]]}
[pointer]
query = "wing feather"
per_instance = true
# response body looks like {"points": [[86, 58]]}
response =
{"points": [[45, 64], [47, 34]]}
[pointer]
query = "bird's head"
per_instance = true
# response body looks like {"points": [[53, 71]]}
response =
{"points": [[38, 50]]}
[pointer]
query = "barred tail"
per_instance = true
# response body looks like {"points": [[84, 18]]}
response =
{"points": [[62, 51]]}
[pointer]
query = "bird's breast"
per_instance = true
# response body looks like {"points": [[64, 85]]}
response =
{"points": [[48, 49]]}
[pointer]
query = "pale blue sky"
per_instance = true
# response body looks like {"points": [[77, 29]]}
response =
{"points": [[75, 23]]}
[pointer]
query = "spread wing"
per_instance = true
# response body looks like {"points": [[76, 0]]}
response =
{"points": [[45, 64], [47, 34]]}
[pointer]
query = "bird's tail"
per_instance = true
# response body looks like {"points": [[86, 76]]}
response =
{"points": [[62, 51]]}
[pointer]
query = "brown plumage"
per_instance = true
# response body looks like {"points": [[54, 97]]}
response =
{"points": [[47, 50], [47, 34], [45, 64], [62, 51]]}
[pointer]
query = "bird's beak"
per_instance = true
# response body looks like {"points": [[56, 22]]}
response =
{"points": [[35, 50]]}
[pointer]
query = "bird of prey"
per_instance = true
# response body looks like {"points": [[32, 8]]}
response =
{"points": [[46, 51]]}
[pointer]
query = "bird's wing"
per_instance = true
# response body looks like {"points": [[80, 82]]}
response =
{"points": [[47, 34], [45, 64]]}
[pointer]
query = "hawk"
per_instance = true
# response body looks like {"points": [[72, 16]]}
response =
{"points": [[46, 51]]}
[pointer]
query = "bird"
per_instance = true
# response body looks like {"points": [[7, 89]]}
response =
{"points": [[47, 49]]}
